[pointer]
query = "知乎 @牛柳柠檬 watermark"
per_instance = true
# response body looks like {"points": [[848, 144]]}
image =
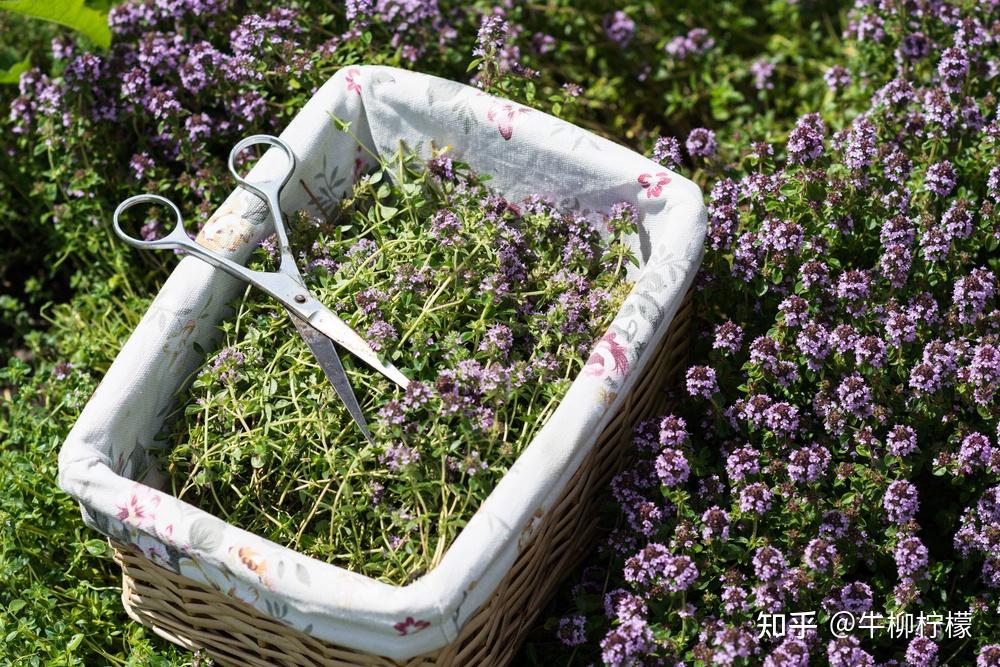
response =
{"points": [[953, 625]]}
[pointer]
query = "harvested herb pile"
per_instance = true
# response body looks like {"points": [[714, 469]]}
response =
{"points": [[489, 308]]}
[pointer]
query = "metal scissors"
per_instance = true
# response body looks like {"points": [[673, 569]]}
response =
{"points": [[318, 325]]}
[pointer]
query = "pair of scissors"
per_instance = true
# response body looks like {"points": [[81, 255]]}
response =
{"points": [[318, 325]]}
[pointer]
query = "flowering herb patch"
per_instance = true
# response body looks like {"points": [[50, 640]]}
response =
{"points": [[489, 308], [828, 491]]}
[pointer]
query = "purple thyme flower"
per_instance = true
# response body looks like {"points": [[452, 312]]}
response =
{"points": [[855, 396], [989, 656], [805, 142], [62, 370], [896, 166], [911, 558], [941, 178], [938, 108], [820, 555], [900, 502], [543, 43], [667, 152], [808, 464], [792, 652], [895, 264], [380, 334], [795, 309], [673, 431], [862, 144], [782, 418], [723, 213], [742, 463], [492, 36], [571, 630], [442, 166], [621, 216], [837, 77], [445, 227], [735, 599], [715, 524], [769, 564], [626, 643], [975, 451], [814, 273], [765, 352], [697, 42], [619, 28], [983, 373], [922, 652], [672, 467], [755, 498], [621, 604], [498, 339], [993, 183], [398, 456], [227, 363], [896, 93], [141, 163], [843, 338], [679, 573], [701, 381], [957, 220], [814, 342], [645, 567], [728, 336], [952, 69], [847, 652], [762, 70], [972, 292], [855, 597], [701, 142], [870, 350], [853, 287], [901, 440], [915, 46]]}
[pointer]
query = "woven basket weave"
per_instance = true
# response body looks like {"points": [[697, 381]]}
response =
{"points": [[232, 632]]}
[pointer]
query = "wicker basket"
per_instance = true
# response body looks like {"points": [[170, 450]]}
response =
{"points": [[232, 632], [187, 571]]}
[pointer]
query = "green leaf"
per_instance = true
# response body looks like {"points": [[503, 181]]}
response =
{"points": [[74, 642], [70, 13], [11, 69]]}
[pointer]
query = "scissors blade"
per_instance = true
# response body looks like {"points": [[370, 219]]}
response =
{"points": [[326, 354], [334, 328]]}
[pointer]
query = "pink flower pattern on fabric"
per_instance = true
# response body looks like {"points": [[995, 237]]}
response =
{"points": [[503, 115], [608, 351], [403, 627], [140, 508], [352, 84], [653, 183]]}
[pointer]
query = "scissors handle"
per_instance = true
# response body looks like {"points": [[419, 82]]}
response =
{"points": [[178, 239], [269, 191]]}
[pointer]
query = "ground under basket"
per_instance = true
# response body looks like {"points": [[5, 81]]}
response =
{"points": [[205, 584]]}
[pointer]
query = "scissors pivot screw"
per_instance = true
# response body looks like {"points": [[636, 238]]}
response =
{"points": [[300, 298]]}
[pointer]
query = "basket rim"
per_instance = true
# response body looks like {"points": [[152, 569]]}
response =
{"points": [[482, 552]]}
